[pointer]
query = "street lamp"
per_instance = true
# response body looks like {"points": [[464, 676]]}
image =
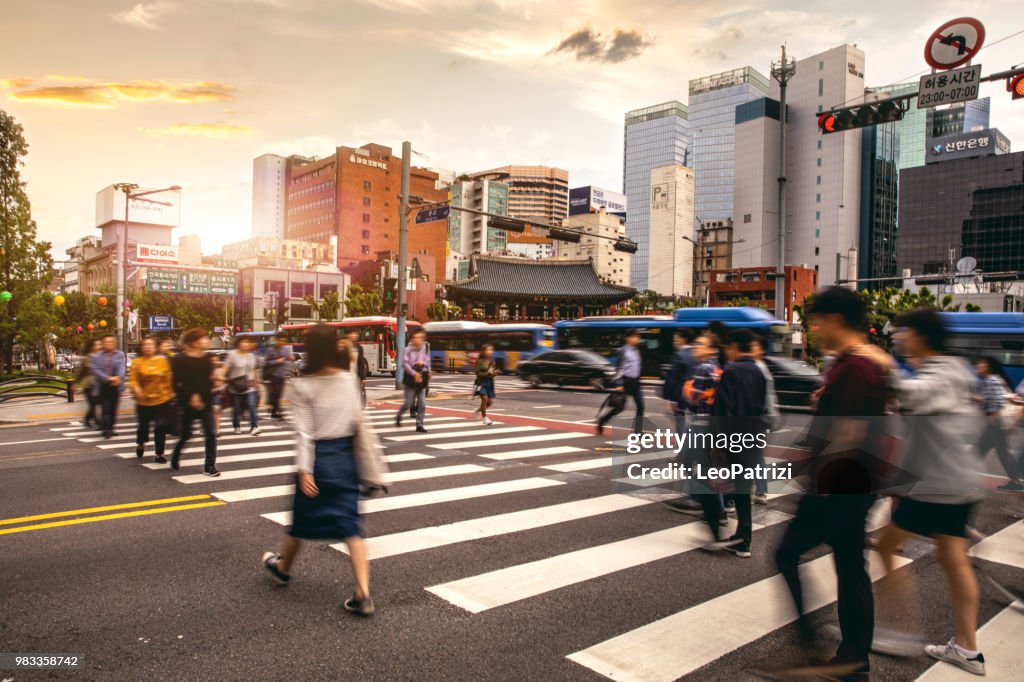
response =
{"points": [[129, 189]]}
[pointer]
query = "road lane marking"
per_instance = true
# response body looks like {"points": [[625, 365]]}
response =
{"points": [[473, 429], [539, 452], [656, 652], [27, 442], [561, 435], [1005, 547], [199, 448], [432, 537], [1000, 640], [605, 462], [110, 517], [462, 423], [109, 507], [276, 454]]}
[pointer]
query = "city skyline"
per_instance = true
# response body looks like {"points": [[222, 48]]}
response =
{"points": [[212, 85]]}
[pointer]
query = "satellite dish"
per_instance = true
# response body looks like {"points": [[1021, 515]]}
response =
{"points": [[966, 265]]}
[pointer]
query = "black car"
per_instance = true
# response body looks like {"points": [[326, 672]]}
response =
{"points": [[567, 367], [794, 380]]}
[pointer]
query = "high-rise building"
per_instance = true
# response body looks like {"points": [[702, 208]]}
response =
{"points": [[469, 233], [599, 231], [756, 198], [352, 195], [712, 116], [670, 262], [269, 181], [713, 251], [538, 193], [823, 172], [878, 204], [967, 206], [655, 136]]}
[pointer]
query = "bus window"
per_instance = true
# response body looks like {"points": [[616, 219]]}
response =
{"points": [[510, 341]]}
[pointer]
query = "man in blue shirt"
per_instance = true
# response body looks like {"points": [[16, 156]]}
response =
{"points": [[627, 377], [108, 366], [277, 364]]}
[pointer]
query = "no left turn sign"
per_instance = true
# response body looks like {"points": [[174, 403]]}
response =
{"points": [[954, 43]]}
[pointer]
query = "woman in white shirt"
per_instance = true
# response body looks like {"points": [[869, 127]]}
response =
{"points": [[242, 377], [338, 453]]}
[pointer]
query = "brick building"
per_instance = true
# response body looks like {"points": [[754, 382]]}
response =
{"points": [[752, 286]]}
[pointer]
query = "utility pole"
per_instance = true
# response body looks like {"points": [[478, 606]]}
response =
{"points": [[782, 71], [403, 259]]}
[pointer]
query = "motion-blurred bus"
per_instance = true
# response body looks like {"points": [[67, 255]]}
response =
{"points": [[455, 346], [995, 335]]}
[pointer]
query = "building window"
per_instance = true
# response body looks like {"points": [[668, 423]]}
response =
{"points": [[821, 87], [302, 289], [746, 217], [367, 186], [819, 162], [817, 198], [817, 233], [819, 144], [366, 216], [366, 201], [366, 234], [817, 216], [817, 250], [365, 249], [817, 180], [327, 289], [274, 285], [302, 311], [821, 66]]}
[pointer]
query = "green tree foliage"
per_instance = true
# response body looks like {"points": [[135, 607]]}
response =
{"points": [[438, 311], [326, 309], [360, 302], [189, 310], [25, 262]]}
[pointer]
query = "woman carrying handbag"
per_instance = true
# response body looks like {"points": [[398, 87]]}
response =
{"points": [[338, 455]]}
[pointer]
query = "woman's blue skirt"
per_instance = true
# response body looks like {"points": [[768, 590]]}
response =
{"points": [[334, 513]]}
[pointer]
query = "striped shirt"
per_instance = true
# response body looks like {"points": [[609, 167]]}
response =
{"points": [[993, 394]]}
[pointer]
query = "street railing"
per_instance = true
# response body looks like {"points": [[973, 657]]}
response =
{"points": [[37, 385]]}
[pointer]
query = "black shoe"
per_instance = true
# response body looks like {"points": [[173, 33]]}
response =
{"points": [[600, 429], [279, 417], [362, 607], [108, 434], [728, 543], [160, 459], [1010, 487], [741, 550], [139, 449], [685, 506], [270, 561], [398, 421], [420, 429], [730, 506], [175, 460], [211, 472]]}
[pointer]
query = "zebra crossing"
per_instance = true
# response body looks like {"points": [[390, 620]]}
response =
{"points": [[553, 483]]}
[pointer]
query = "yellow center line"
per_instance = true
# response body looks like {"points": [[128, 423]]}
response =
{"points": [[108, 517], [111, 507]]}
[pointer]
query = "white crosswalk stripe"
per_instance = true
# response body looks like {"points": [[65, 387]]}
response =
{"points": [[491, 442], [472, 430]]}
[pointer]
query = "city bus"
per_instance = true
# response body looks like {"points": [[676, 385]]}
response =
{"points": [[377, 336], [996, 335], [455, 345], [604, 335]]}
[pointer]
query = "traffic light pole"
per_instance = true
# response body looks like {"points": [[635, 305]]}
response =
{"points": [[782, 72], [403, 259]]}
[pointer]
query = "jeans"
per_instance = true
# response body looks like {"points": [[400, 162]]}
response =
{"points": [[244, 401], [837, 521], [276, 390], [740, 495], [109, 397], [151, 413], [420, 396], [205, 416], [630, 387], [995, 437], [92, 404]]}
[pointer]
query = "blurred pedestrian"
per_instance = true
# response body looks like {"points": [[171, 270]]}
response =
{"points": [[242, 378], [842, 481], [165, 348], [415, 378], [217, 397], [483, 387], [628, 369], [277, 367], [943, 487], [683, 365], [193, 370], [108, 368], [151, 384], [84, 381], [993, 391], [337, 453], [360, 365], [771, 414]]}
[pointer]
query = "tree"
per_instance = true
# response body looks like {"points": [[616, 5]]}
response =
{"points": [[360, 302], [441, 311], [326, 309], [25, 263]]}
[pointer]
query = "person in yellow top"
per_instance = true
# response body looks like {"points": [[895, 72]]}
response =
{"points": [[150, 381]]}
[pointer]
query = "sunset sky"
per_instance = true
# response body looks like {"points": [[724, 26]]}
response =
{"points": [[187, 92]]}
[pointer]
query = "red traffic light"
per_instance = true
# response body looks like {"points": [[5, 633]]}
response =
{"points": [[1016, 86], [827, 123]]}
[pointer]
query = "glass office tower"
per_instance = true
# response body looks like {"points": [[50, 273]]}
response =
{"points": [[713, 102], [655, 136]]}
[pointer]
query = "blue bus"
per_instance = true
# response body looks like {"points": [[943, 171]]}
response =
{"points": [[603, 335], [996, 335], [455, 345]]}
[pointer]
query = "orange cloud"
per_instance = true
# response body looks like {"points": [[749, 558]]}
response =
{"points": [[110, 95], [203, 129]]}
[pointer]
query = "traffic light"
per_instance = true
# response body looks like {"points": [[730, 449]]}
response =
{"points": [[390, 294], [625, 245], [860, 116], [1016, 86], [507, 224], [564, 235]]}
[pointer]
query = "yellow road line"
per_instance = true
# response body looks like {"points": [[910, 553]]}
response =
{"points": [[108, 517], [111, 507]]}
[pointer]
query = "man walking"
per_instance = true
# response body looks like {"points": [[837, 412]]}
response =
{"points": [[627, 377], [360, 366], [108, 367], [683, 365], [844, 438], [415, 378], [277, 367]]}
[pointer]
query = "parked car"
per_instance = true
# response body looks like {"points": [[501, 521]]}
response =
{"points": [[567, 367], [794, 380]]}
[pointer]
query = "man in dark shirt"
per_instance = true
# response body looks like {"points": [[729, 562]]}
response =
{"points": [[738, 412], [683, 365], [844, 439]]}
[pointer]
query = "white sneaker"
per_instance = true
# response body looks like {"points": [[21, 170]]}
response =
{"points": [[255, 431], [760, 498], [487, 421], [950, 653], [237, 430]]}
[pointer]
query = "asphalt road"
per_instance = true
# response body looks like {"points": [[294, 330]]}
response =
{"points": [[518, 559]]}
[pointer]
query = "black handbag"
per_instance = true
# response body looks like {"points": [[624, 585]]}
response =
{"points": [[170, 418], [616, 400]]}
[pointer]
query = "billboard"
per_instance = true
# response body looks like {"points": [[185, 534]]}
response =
{"points": [[144, 210], [191, 282], [156, 253], [964, 145], [585, 199]]}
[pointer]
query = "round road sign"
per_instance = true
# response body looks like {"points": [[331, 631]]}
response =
{"points": [[954, 43]]}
